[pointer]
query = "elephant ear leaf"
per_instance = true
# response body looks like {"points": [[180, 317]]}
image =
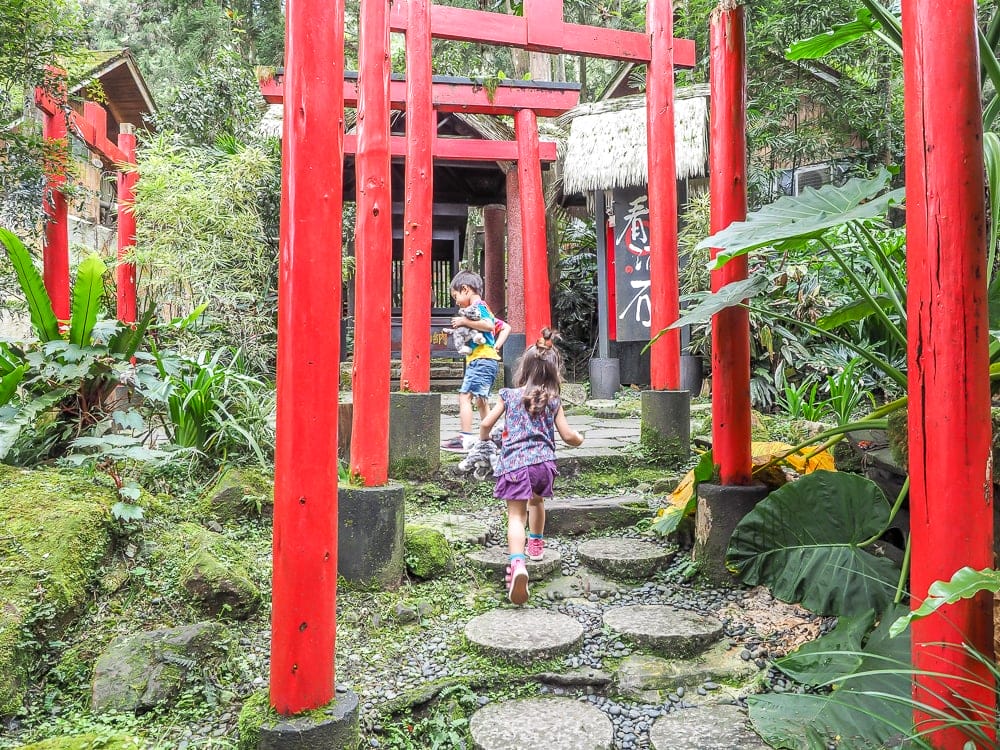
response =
{"points": [[43, 319], [87, 293], [804, 541]]}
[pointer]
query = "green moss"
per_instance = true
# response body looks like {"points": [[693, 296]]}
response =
{"points": [[237, 494], [56, 530], [256, 713], [413, 467], [426, 551], [87, 742], [896, 431]]}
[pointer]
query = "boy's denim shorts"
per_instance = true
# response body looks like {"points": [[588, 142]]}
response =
{"points": [[479, 377]]}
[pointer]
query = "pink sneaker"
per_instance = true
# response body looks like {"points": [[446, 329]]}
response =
{"points": [[535, 549], [517, 590]]}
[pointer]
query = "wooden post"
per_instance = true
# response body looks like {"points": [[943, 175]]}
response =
{"points": [[665, 354], [951, 509], [55, 246], [515, 256], [373, 244], [537, 314], [728, 170], [303, 609], [494, 217], [421, 126], [126, 301]]}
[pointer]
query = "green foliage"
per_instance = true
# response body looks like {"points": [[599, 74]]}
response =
{"points": [[704, 471], [964, 584], [818, 558], [575, 295]]}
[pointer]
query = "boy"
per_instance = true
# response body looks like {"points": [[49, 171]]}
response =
{"points": [[482, 365]]}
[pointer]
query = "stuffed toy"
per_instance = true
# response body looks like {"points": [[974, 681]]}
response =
{"points": [[465, 337]]}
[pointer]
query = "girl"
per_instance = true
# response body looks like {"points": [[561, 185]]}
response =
{"points": [[526, 467]]}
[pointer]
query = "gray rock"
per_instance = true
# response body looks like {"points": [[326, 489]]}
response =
{"points": [[582, 515], [624, 557], [650, 678], [718, 727], [143, 670], [550, 723], [215, 574], [455, 527], [670, 632], [523, 635], [496, 560]]}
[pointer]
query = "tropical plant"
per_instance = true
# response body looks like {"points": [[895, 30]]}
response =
{"points": [[575, 295], [802, 401]]}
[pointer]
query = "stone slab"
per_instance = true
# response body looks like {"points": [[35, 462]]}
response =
{"points": [[583, 584], [496, 559], [457, 528], [624, 557], [333, 726], [650, 678], [549, 723], [582, 515], [718, 727], [671, 632], [523, 635]]}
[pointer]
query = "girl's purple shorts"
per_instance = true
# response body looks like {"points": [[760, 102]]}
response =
{"points": [[525, 483]]}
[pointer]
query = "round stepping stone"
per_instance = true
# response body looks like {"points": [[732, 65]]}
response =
{"points": [[671, 632], [719, 727], [455, 527], [523, 635], [624, 557], [549, 723], [496, 560]]}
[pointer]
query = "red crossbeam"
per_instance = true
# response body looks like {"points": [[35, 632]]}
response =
{"points": [[462, 149], [462, 95], [91, 127], [541, 29]]}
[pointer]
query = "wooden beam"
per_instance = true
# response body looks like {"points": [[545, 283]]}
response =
{"points": [[462, 149], [91, 133], [462, 95], [542, 33]]}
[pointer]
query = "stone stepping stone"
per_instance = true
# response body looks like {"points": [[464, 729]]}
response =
{"points": [[523, 635], [496, 560], [582, 515], [650, 679], [549, 723], [673, 633], [718, 727], [455, 527], [583, 584], [624, 557]]}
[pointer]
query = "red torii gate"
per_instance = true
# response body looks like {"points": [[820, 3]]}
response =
{"points": [[92, 128]]}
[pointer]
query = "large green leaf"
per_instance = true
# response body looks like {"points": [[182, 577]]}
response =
{"points": [[10, 429], [853, 311], [841, 34], [731, 294], [87, 293], [806, 216], [867, 709], [9, 383], [965, 584], [39, 305], [803, 542], [127, 338], [829, 657]]}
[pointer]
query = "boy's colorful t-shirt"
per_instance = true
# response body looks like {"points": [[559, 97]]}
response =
{"points": [[485, 351]]}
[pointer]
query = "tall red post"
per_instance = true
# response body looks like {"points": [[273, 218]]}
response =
{"points": [[951, 510], [727, 181], [373, 245], [55, 247], [126, 227], [418, 207], [665, 354], [537, 314], [304, 598]]}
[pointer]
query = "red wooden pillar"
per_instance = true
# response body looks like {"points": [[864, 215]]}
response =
{"points": [[951, 511], [373, 245], [421, 124], [728, 170], [303, 610], [665, 354], [55, 247], [126, 227], [515, 256], [536, 268]]}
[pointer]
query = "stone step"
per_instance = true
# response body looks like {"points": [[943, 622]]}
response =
{"points": [[457, 528], [542, 723], [584, 584], [670, 632], [719, 727], [496, 559], [583, 515], [625, 557], [716, 675], [524, 635]]}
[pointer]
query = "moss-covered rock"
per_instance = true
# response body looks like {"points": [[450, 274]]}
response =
{"points": [[213, 570], [239, 493], [88, 742], [256, 713], [56, 531], [427, 551]]}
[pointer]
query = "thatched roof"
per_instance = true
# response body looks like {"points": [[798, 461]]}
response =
{"points": [[606, 148]]}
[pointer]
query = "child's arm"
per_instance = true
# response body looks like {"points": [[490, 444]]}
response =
{"points": [[567, 433], [491, 419], [505, 330]]}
